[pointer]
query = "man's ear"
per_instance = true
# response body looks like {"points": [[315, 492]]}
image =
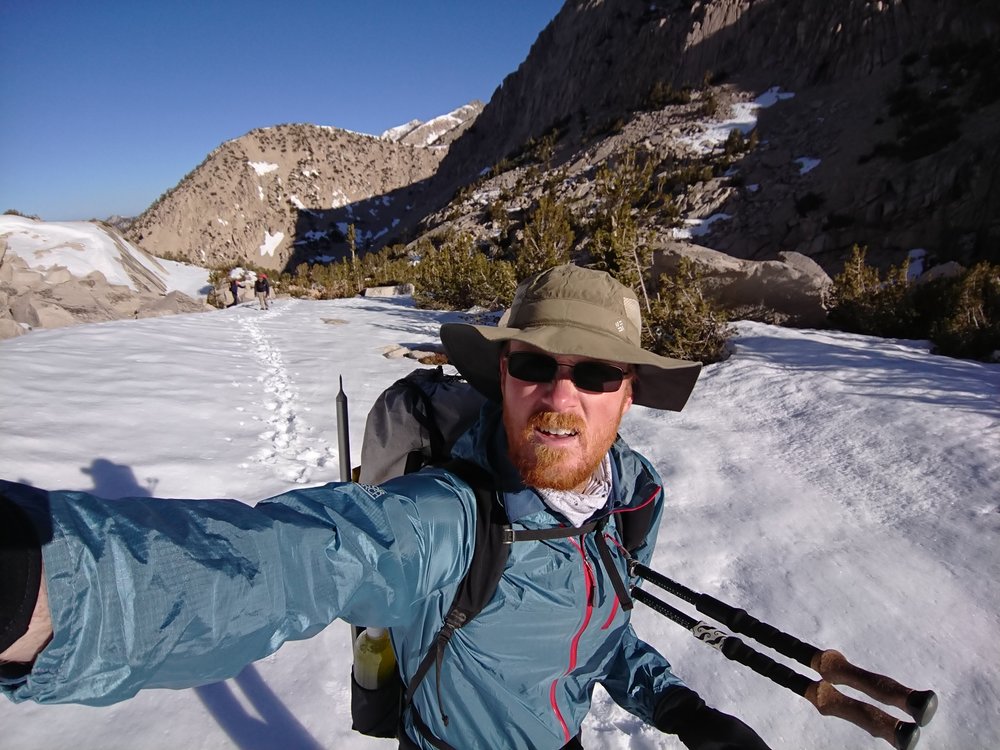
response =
{"points": [[504, 347], [628, 399]]}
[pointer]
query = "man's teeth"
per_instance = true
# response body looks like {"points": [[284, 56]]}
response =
{"points": [[559, 432]]}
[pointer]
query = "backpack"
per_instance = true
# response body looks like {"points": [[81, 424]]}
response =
{"points": [[414, 423]]}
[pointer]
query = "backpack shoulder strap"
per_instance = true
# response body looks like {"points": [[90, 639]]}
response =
{"points": [[633, 525], [489, 557]]}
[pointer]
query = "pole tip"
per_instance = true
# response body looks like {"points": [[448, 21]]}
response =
{"points": [[921, 705], [907, 735]]}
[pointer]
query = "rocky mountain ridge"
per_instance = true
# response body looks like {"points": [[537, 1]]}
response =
{"points": [[894, 105], [278, 195]]}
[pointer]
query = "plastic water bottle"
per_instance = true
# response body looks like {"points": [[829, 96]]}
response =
{"points": [[374, 660]]}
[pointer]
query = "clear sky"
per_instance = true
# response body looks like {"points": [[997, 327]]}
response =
{"points": [[106, 105]]}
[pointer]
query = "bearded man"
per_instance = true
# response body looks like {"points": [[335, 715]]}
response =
{"points": [[99, 599]]}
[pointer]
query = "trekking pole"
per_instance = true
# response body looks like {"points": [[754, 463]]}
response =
{"points": [[830, 664], [829, 701], [343, 434]]}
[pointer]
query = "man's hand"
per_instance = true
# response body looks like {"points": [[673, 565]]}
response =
{"points": [[39, 633], [682, 712], [25, 625]]}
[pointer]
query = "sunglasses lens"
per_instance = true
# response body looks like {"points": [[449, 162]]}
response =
{"points": [[532, 368], [596, 377]]}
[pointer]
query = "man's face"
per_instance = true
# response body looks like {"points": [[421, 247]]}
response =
{"points": [[558, 433]]}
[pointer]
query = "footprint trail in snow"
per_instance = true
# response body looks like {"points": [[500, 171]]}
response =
{"points": [[288, 447]]}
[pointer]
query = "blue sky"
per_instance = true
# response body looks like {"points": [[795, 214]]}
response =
{"points": [[105, 105]]}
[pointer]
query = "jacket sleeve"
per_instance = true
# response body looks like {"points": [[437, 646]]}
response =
{"points": [[149, 592], [638, 677]]}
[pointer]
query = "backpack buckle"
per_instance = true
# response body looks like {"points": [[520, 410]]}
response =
{"points": [[508, 535]]}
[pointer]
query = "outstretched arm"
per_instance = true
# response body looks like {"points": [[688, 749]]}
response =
{"points": [[146, 592]]}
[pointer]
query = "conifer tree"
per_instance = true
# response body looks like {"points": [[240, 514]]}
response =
{"points": [[547, 237], [617, 245]]}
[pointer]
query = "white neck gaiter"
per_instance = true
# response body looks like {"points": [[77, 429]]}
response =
{"points": [[577, 507]]}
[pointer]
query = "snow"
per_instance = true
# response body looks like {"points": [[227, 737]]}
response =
{"points": [[806, 164], [743, 117], [396, 133], [917, 257], [271, 243], [843, 488], [697, 227], [262, 167]]}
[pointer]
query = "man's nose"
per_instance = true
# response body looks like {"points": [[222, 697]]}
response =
{"points": [[563, 389]]}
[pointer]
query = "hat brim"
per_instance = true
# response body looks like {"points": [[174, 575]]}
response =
{"points": [[660, 383]]}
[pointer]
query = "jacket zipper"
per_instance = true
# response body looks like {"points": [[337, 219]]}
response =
{"points": [[588, 575]]}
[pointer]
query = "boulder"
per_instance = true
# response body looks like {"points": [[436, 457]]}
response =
{"points": [[57, 275], [794, 287], [947, 270], [9, 328], [14, 271], [32, 310], [399, 290]]}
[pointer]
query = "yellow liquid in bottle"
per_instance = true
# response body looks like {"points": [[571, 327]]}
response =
{"points": [[374, 660]]}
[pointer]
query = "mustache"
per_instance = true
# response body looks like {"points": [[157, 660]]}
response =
{"points": [[551, 420]]}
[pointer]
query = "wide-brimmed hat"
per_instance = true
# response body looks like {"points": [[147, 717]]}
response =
{"points": [[572, 311]]}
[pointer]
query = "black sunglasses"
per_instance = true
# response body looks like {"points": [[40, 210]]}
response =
{"points": [[596, 377]]}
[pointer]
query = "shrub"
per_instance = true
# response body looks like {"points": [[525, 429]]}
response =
{"points": [[663, 93], [960, 315], [546, 239], [861, 301], [682, 322], [457, 276], [967, 323]]}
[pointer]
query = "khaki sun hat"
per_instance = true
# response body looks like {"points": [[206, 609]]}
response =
{"points": [[572, 311]]}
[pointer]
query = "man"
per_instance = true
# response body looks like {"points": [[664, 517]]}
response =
{"points": [[153, 593], [262, 288], [234, 290]]}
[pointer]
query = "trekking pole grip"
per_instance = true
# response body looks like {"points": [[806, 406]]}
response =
{"points": [[829, 701], [834, 666]]}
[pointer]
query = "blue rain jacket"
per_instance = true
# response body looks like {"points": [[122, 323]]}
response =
{"points": [[148, 592]]}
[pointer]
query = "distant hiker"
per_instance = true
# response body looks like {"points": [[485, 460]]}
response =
{"points": [[101, 598], [234, 290], [263, 289]]}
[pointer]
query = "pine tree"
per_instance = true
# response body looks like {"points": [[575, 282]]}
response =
{"points": [[547, 238], [616, 243]]}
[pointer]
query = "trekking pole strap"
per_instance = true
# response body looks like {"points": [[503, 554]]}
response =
{"points": [[621, 590]]}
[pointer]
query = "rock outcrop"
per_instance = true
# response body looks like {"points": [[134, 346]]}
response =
{"points": [[791, 290], [47, 294], [31, 299]]}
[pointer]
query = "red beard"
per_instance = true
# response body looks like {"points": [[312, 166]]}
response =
{"points": [[555, 467]]}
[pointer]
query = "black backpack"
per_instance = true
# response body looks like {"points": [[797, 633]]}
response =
{"points": [[414, 423]]}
